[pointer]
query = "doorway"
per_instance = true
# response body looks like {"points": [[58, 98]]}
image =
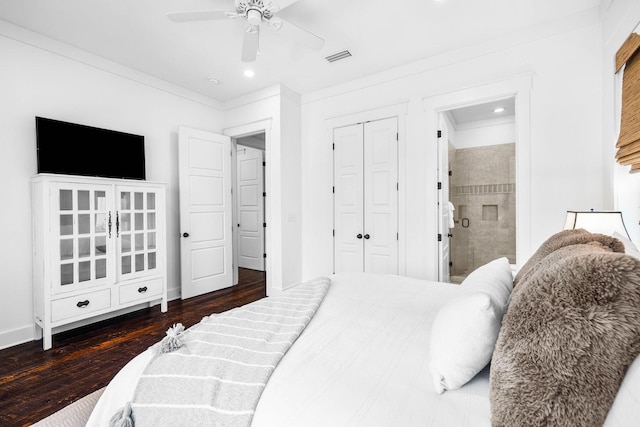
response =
{"points": [[478, 158], [249, 202]]}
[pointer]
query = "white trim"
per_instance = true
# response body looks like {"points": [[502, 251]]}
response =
{"points": [[520, 87], [38, 41], [399, 110], [34, 332], [18, 336], [545, 30], [252, 97], [272, 235]]}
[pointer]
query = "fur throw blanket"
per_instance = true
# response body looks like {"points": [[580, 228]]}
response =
{"points": [[567, 339], [566, 238]]}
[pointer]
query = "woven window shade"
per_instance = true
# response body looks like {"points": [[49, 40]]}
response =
{"points": [[629, 140]]}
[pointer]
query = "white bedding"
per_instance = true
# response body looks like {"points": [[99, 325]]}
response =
{"points": [[361, 361]]}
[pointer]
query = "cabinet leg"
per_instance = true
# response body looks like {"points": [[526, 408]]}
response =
{"points": [[47, 339], [163, 305]]}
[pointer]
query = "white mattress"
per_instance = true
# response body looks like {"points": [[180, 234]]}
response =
{"points": [[362, 361]]}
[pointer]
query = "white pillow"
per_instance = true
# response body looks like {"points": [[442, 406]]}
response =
{"points": [[629, 247], [494, 278], [465, 330]]}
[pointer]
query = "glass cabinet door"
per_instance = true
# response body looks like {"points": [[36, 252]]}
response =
{"points": [[83, 234], [136, 225]]}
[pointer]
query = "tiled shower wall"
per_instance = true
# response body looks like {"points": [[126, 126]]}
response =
{"points": [[482, 190]]}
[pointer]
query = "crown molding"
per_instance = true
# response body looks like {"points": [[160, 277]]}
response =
{"points": [[38, 41]]}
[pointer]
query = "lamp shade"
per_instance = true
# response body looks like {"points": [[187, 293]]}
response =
{"points": [[603, 222]]}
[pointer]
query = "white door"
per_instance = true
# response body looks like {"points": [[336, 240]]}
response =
{"points": [[348, 199], [366, 197], [250, 178], [205, 211], [381, 196], [444, 212]]}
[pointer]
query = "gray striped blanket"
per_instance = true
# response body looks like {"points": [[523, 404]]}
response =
{"points": [[217, 375]]}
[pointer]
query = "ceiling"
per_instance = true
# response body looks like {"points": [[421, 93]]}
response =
{"points": [[484, 112], [380, 35]]}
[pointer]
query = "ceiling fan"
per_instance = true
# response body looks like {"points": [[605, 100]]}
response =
{"points": [[256, 13]]}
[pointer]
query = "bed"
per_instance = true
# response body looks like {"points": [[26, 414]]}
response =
{"points": [[364, 359]]}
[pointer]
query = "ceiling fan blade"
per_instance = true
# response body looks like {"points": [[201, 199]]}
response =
{"points": [[284, 3], [250, 43], [297, 34], [200, 15]]}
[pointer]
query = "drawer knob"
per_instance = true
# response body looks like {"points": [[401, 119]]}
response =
{"points": [[82, 304], [142, 290]]}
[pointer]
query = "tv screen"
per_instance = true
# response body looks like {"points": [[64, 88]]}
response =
{"points": [[73, 149]]}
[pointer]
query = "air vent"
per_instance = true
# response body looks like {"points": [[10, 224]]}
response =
{"points": [[338, 56]]}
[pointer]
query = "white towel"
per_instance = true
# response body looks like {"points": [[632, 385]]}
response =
{"points": [[451, 209]]}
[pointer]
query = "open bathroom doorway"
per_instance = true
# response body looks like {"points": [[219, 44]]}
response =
{"points": [[477, 152]]}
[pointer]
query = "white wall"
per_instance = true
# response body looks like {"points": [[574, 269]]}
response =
{"points": [[619, 20], [565, 154], [279, 107], [480, 134], [58, 82]]}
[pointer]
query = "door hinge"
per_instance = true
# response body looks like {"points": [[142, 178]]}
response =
{"points": [[264, 224], [334, 233], [264, 163], [397, 236], [397, 186], [439, 186], [450, 173], [333, 190], [397, 136], [264, 194], [333, 146], [450, 263], [264, 255], [439, 237], [439, 134]]}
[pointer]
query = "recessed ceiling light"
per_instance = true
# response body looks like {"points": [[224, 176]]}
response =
{"points": [[499, 110], [214, 80], [249, 73]]}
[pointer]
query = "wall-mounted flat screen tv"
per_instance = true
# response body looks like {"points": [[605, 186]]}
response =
{"points": [[74, 149]]}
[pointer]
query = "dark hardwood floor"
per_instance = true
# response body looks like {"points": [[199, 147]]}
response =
{"points": [[35, 383]]}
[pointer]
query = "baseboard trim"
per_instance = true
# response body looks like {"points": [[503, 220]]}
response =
{"points": [[28, 333], [17, 336]]}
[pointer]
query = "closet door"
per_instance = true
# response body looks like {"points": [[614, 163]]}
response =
{"points": [[366, 197], [348, 199], [381, 196]]}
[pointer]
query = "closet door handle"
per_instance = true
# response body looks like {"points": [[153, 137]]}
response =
{"points": [[359, 236], [366, 236]]}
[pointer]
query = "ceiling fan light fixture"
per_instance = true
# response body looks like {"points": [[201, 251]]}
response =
{"points": [[254, 16]]}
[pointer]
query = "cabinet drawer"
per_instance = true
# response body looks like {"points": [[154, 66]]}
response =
{"points": [[80, 305], [140, 290]]}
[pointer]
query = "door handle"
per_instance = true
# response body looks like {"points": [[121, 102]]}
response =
{"points": [[185, 234], [366, 236], [359, 236]]}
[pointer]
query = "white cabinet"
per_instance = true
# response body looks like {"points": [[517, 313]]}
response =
{"points": [[99, 246], [366, 197]]}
